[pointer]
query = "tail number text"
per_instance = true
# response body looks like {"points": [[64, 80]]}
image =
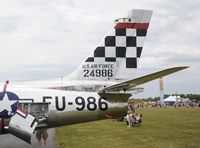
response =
{"points": [[98, 73]]}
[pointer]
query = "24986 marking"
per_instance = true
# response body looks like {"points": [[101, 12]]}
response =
{"points": [[98, 73]]}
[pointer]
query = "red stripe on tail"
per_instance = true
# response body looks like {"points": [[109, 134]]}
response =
{"points": [[132, 25]]}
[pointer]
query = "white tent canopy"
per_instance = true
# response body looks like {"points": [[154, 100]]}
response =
{"points": [[170, 99]]}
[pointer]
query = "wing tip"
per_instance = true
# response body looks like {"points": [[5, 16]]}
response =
{"points": [[182, 67]]}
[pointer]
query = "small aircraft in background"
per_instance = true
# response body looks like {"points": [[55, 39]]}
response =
{"points": [[101, 86]]}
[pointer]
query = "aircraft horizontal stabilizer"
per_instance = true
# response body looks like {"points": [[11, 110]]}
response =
{"points": [[22, 125], [141, 80]]}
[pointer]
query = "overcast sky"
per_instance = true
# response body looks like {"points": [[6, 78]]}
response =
{"points": [[49, 38]]}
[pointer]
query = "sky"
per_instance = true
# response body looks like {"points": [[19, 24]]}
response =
{"points": [[50, 38]]}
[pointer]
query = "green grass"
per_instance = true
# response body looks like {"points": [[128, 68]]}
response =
{"points": [[161, 128]]}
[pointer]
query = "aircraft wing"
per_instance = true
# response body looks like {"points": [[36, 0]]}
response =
{"points": [[141, 80]]}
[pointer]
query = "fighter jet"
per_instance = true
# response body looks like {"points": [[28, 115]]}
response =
{"points": [[101, 86]]}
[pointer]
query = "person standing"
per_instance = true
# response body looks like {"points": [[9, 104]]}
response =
{"points": [[42, 134], [128, 119]]}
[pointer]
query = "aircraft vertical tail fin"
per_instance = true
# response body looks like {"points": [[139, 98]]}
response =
{"points": [[117, 55]]}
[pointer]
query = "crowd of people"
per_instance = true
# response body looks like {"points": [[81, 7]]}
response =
{"points": [[132, 118]]}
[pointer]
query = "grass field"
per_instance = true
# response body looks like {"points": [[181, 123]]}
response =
{"points": [[161, 128]]}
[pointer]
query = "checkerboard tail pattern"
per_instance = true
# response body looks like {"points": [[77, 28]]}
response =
{"points": [[123, 43], [122, 47]]}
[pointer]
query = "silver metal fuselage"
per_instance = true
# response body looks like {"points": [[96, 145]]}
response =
{"points": [[66, 106]]}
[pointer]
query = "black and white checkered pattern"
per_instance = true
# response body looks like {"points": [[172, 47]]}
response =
{"points": [[121, 44]]}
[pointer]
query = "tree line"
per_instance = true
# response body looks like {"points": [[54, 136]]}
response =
{"points": [[190, 96]]}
